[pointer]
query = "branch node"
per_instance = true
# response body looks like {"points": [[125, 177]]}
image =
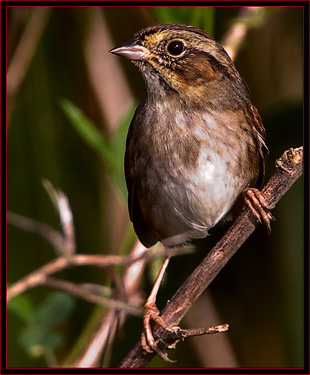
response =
{"points": [[289, 159], [169, 339]]}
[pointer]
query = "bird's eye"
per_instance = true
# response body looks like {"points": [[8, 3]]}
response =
{"points": [[175, 48]]}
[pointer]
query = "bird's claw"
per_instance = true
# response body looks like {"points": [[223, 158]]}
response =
{"points": [[148, 341], [254, 199]]}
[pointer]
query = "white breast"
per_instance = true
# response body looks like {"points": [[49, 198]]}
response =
{"points": [[212, 189]]}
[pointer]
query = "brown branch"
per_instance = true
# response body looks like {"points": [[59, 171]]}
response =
{"points": [[63, 243], [38, 276], [179, 334], [82, 291], [105, 334], [289, 169], [62, 206], [50, 234]]}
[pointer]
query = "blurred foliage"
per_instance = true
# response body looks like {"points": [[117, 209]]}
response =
{"points": [[111, 150], [200, 17], [259, 292], [38, 336]]}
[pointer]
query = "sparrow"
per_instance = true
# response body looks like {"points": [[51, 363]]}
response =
{"points": [[196, 145]]}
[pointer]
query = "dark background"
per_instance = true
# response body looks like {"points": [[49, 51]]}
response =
{"points": [[259, 293]]}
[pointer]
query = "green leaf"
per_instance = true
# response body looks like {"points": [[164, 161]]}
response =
{"points": [[36, 340], [22, 307], [54, 309], [201, 17], [111, 151], [88, 132]]}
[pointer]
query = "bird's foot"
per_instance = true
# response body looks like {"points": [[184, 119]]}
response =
{"points": [[254, 199], [148, 341]]}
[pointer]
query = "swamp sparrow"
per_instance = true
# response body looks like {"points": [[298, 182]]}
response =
{"points": [[195, 144]]}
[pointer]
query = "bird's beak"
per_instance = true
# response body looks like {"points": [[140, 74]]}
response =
{"points": [[132, 51]]}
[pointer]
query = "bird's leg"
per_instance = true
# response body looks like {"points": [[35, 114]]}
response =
{"points": [[254, 199], [151, 312]]}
